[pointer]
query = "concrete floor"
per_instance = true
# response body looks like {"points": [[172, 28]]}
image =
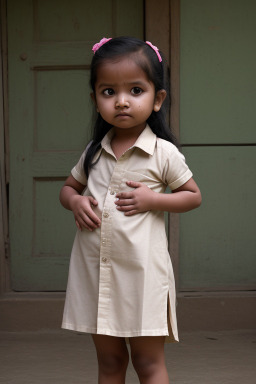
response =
{"points": [[61, 357]]}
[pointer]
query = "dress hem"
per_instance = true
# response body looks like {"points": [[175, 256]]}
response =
{"points": [[155, 332]]}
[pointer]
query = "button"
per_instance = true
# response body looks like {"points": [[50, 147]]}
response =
{"points": [[104, 241], [112, 192], [104, 259], [105, 214]]}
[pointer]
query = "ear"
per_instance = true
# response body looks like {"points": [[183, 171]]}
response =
{"points": [[159, 99], [94, 100]]}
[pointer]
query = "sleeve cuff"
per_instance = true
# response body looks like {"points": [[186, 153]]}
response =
{"points": [[80, 178], [182, 180]]}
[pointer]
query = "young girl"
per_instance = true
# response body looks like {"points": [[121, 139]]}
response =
{"points": [[121, 282]]}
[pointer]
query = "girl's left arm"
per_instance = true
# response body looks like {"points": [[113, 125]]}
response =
{"points": [[142, 199]]}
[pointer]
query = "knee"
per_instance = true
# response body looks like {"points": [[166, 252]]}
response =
{"points": [[144, 366], [110, 364]]}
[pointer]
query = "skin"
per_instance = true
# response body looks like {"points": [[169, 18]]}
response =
{"points": [[147, 356], [125, 98]]}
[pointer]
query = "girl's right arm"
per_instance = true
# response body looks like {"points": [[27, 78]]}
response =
{"points": [[81, 206]]}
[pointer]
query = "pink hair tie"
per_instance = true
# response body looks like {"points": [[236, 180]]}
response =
{"points": [[98, 45], [155, 49]]}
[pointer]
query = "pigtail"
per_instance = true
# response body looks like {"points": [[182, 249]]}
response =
{"points": [[101, 128]]}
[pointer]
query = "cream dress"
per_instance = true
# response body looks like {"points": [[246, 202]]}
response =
{"points": [[121, 280]]}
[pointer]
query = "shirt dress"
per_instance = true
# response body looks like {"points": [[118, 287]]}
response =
{"points": [[121, 280]]}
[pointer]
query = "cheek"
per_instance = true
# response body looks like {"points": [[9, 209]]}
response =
{"points": [[103, 106], [143, 105]]}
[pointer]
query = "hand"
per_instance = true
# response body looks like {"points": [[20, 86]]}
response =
{"points": [[83, 212], [136, 201]]}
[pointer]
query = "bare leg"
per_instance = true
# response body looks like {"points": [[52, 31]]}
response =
{"points": [[113, 359], [148, 359]]}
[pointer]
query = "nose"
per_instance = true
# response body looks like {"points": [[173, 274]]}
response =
{"points": [[122, 102]]}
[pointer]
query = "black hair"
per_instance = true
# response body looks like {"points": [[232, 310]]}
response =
{"points": [[156, 71]]}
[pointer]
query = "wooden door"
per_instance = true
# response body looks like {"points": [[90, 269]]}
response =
{"points": [[49, 53]]}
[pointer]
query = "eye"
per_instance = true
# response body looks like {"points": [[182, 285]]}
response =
{"points": [[136, 91], [108, 92]]}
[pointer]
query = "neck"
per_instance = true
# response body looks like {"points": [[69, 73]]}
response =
{"points": [[129, 133], [124, 139]]}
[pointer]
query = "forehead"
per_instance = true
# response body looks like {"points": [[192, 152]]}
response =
{"points": [[122, 69]]}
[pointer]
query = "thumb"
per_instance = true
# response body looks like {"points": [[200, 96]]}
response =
{"points": [[134, 184], [92, 200]]}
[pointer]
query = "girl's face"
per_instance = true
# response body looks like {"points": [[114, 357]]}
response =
{"points": [[124, 96]]}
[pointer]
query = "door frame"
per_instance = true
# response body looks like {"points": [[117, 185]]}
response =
{"points": [[162, 23], [4, 155]]}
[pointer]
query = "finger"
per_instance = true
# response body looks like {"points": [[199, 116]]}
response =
{"points": [[88, 227], [95, 220], [78, 225], [92, 200], [82, 224], [124, 195], [87, 221], [126, 208], [91, 215], [134, 184], [122, 202], [132, 212]]}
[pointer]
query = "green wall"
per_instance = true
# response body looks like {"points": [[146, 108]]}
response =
{"points": [[217, 122]]}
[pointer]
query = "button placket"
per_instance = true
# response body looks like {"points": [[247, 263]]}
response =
{"points": [[106, 249]]}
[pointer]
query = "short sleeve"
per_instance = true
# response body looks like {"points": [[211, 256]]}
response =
{"points": [[176, 171], [78, 171]]}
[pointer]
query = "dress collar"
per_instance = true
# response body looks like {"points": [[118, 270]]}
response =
{"points": [[146, 141]]}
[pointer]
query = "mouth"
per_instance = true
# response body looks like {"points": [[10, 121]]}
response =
{"points": [[123, 114]]}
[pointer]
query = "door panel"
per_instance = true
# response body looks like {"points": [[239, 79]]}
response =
{"points": [[76, 20], [57, 126], [217, 82], [50, 44], [217, 241]]}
